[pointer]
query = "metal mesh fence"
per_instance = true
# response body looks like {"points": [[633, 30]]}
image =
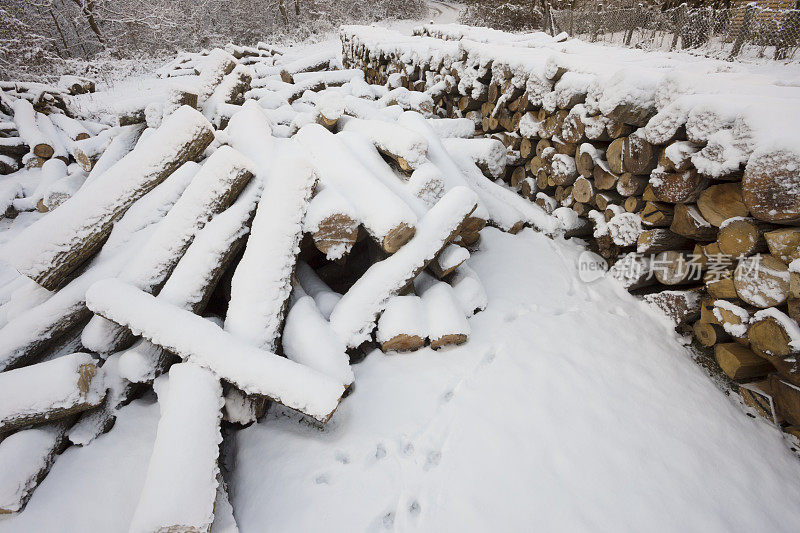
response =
{"points": [[746, 31]]}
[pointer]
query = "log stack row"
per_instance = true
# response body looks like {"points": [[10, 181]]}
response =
{"points": [[245, 239], [691, 197]]}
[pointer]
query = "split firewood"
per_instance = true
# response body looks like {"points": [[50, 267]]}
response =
{"points": [[25, 119], [631, 184], [54, 246], [389, 221], [402, 326], [787, 399], [689, 222], [739, 362], [784, 244], [638, 155], [709, 334], [773, 335], [254, 371], [721, 202], [681, 307], [658, 240], [742, 236], [674, 268], [74, 384], [309, 340], [758, 396], [180, 486], [261, 282], [678, 187], [62, 190], [28, 336], [25, 459], [719, 284], [604, 179], [762, 281], [769, 186], [733, 318], [353, 317], [583, 190], [213, 188], [655, 214]]}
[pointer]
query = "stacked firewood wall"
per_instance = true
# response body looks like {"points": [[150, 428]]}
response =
{"points": [[710, 249]]}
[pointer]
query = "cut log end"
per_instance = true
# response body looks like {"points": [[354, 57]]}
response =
{"points": [[396, 238]]}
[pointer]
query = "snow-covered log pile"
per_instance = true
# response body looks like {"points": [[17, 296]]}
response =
{"points": [[683, 173], [236, 244]]}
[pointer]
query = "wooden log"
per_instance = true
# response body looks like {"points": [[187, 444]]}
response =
{"points": [[787, 399], [720, 202], [190, 336], [632, 271], [762, 281], [674, 268], [658, 240], [49, 391], [389, 221], [677, 157], [604, 180], [657, 215], [25, 119], [605, 199], [739, 362], [542, 145], [758, 396], [583, 190], [217, 65], [614, 155], [448, 260], [54, 246], [677, 188], [402, 327], [446, 323], [179, 95], [405, 147], [733, 318], [784, 243], [682, 307], [709, 334], [354, 316], [25, 459], [689, 222], [638, 155], [87, 151], [770, 184], [771, 333], [631, 184], [563, 170], [121, 145], [719, 284], [742, 236], [634, 204], [184, 462]]}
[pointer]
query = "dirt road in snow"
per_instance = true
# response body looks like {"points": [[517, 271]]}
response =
{"points": [[444, 12]]}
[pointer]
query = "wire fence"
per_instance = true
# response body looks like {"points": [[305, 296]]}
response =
{"points": [[745, 31]]}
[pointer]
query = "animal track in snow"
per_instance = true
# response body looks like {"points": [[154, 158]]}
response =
{"points": [[380, 451], [342, 457], [432, 461], [322, 479]]}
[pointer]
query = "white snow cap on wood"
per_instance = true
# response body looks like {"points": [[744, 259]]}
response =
{"points": [[403, 315], [121, 144], [353, 318], [216, 66], [261, 283], [309, 340], [254, 371], [485, 152], [325, 297], [392, 138], [181, 484], [469, 290], [452, 127], [59, 385], [378, 208], [444, 315]]}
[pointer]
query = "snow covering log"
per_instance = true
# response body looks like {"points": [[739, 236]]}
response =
{"points": [[87, 151], [387, 219], [213, 188], [407, 148], [469, 290], [58, 140], [309, 340], [733, 318], [73, 129], [450, 258], [50, 390], [739, 362], [181, 483], [446, 322], [771, 186], [681, 307], [353, 317], [190, 336], [120, 146], [773, 335], [217, 65], [28, 128], [261, 282], [325, 297], [52, 171], [487, 153], [762, 281], [62, 190], [632, 271], [677, 187], [27, 336], [332, 222], [25, 459], [54, 246], [721, 202], [402, 326], [177, 96]]}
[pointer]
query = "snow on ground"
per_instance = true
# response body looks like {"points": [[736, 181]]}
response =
{"points": [[571, 408]]}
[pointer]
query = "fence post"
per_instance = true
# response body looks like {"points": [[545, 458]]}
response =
{"points": [[631, 25], [743, 31], [679, 23]]}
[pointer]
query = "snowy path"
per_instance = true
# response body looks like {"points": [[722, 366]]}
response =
{"points": [[444, 12], [570, 409]]}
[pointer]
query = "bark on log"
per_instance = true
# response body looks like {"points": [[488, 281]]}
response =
{"points": [[658, 240]]}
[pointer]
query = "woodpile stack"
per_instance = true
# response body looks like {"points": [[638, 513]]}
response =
{"points": [[270, 221], [691, 197]]}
